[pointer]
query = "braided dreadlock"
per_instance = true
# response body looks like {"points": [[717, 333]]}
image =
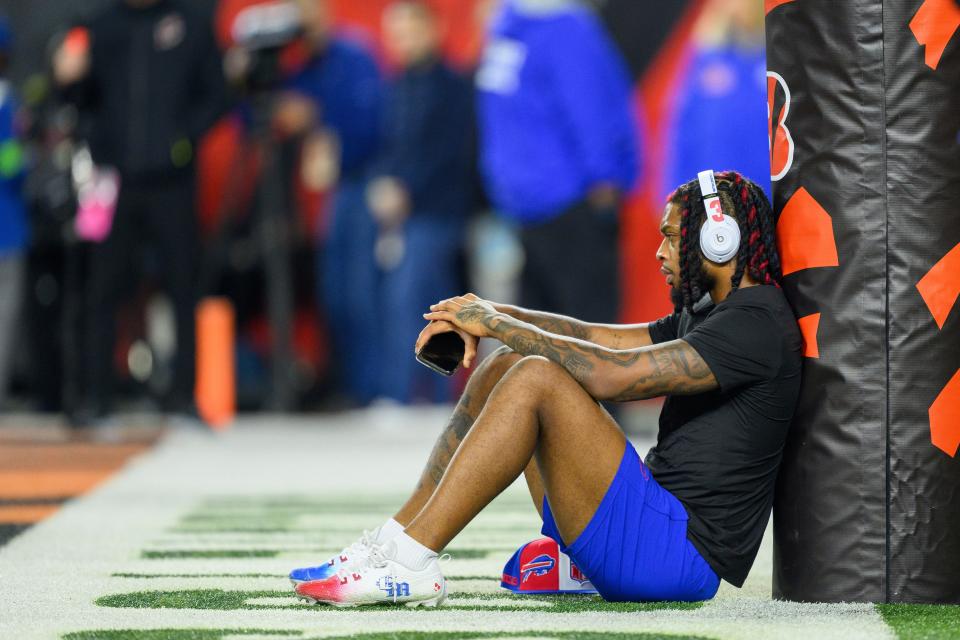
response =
{"points": [[746, 202]]}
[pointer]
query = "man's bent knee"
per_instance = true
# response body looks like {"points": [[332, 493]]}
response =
{"points": [[539, 370], [503, 352], [499, 362], [539, 364]]}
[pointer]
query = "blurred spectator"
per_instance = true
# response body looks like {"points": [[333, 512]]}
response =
{"points": [[13, 224], [420, 195], [343, 86], [151, 83], [719, 119], [559, 149]]}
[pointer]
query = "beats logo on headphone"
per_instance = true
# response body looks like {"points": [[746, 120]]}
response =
{"points": [[720, 234]]}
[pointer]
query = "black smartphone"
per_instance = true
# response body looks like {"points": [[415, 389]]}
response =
{"points": [[443, 353]]}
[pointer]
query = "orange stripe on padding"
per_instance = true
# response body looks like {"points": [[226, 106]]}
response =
{"points": [[809, 325], [805, 235], [945, 417], [48, 484], [933, 26], [773, 4], [26, 514], [940, 288]]}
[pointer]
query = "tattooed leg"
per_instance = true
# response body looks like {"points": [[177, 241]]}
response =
{"points": [[537, 413], [474, 397]]}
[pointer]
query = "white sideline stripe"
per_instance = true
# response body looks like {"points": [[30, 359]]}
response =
{"points": [[279, 566], [51, 575], [498, 547]]}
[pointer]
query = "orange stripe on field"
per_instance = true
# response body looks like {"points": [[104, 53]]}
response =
{"points": [[26, 514], [52, 465], [73, 456], [48, 484]]}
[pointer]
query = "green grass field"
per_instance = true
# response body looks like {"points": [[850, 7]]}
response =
{"points": [[193, 542]]}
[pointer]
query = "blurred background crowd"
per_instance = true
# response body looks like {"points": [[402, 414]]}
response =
{"points": [[326, 169]]}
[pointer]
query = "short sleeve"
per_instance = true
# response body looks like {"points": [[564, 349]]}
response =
{"points": [[741, 345], [665, 329]]}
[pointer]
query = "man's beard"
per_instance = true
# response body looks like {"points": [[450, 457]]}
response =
{"points": [[707, 282], [676, 297]]}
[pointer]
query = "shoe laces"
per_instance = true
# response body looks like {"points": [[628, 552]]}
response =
{"points": [[377, 560], [362, 546]]}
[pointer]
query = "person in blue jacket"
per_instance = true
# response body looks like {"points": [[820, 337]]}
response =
{"points": [[13, 220], [343, 86], [719, 117], [559, 149], [419, 195]]}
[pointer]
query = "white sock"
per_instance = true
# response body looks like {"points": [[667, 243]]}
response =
{"points": [[411, 553], [388, 531]]}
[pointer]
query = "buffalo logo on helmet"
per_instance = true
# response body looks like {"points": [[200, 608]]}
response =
{"points": [[539, 566]]}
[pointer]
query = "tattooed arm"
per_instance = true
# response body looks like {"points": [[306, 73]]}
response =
{"points": [[613, 336], [672, 368]]}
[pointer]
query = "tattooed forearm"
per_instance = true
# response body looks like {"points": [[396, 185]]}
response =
{"points": [[612, 336], [671, 368], [581, 359], [550, 322]]}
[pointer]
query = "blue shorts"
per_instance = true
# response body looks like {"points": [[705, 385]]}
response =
{"points": [[635, 547]]}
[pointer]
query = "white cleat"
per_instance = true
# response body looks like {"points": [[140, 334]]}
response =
{"points": [[380, 580]]}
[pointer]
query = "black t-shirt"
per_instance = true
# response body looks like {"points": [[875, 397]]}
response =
{"points": [[718, 452]]}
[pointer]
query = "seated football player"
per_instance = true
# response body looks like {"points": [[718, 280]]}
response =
{"points": [[668, 527]]}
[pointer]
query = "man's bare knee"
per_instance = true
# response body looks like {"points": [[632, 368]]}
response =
{"points": [[551, 391], [539, 365], [503, 353], [539, 372], [498, 363]]}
